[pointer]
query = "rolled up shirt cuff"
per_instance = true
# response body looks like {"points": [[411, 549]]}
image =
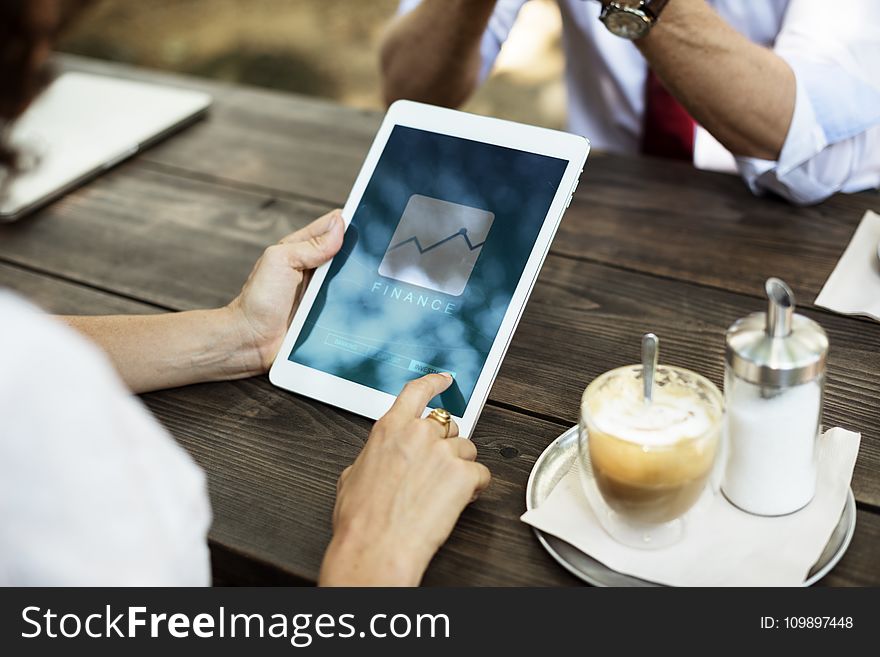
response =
{"points": [[805, 140]]}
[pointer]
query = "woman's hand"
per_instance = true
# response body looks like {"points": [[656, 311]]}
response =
{"points": [[272, 292], [398, 502]]}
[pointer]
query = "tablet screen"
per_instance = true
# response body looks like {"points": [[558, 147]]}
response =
{"points": [[429, 263]]}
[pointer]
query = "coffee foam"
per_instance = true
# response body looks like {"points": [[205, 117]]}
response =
{"points": [[675, 414]]}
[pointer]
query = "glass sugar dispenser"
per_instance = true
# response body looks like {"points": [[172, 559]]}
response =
{"points": [[773, 389]]}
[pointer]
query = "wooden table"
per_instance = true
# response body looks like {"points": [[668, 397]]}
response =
{"points": [[646, 245]]}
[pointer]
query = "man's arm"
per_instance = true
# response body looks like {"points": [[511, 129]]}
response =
{"points": [[742, 93], [432, 54]]}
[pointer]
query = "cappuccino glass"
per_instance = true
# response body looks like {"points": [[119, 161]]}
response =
{"points": [[645, 465]]}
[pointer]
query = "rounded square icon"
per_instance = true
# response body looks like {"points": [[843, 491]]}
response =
{"points": [[436, 244]]}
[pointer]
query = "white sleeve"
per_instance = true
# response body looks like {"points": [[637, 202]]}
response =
{"points": [[833, 142], [92, 490], [500, 24]]}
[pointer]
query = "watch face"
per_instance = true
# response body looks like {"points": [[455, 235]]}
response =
{"points": [[627, 23]]}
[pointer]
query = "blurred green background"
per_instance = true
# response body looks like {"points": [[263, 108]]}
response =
{"points": [[326, 48]]}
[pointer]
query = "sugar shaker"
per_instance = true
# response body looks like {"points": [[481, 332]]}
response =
{"points": [[773, 389]]}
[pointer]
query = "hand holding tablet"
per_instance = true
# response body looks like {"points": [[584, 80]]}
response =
{"points": [[448, 224]]}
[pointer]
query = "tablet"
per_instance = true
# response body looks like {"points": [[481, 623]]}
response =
{"points": [[84, 124], [447, 227]]}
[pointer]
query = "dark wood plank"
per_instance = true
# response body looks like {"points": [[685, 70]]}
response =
{"points": [[859, 565], [163, 234], [643, 214], [584, 319], [167, 240], [64, 298], [272, 460], [669, 219], [275, 503], [180, 244]]}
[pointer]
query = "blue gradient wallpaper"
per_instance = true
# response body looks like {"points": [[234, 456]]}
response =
{"points": [[429, 263]]}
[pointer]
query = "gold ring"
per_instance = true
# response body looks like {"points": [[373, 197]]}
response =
{"points": [[442, 416]]}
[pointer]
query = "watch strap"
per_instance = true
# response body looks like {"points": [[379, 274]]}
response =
{"points": [[654, 7]]}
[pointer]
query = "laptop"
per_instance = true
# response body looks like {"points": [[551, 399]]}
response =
{"points": [[83, 124]]}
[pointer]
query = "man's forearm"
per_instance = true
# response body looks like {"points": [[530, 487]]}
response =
{"points": [[151, 352], [741, 92], [432, 54]]}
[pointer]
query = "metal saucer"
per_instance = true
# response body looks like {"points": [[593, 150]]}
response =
{"points": [[557, 460]]}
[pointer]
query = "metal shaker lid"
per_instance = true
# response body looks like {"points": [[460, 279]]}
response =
{"points": [[777, 348]]}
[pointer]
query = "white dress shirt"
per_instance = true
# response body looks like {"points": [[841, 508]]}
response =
{"points": [[92, 490], [833, 143]]}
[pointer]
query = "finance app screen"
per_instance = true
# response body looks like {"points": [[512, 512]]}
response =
{"points": [[429, 263]]}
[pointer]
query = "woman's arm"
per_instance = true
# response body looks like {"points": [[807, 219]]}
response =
{"points": [[239, 340], [174, 349]]}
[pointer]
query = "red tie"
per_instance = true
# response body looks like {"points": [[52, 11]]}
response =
{"points": [[667, 129]]}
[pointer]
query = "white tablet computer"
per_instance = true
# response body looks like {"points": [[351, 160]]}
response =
{"points": [[448, 225]]}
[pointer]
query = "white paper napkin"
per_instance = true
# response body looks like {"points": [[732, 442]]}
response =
{"points": [[723, 546], [854, 286]]}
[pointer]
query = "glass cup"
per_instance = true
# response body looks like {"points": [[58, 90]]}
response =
{"points": [[645, 465]]}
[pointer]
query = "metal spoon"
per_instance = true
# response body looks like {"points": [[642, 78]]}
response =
{"points": [[650, 353]]}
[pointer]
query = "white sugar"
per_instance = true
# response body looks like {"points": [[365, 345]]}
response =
{"points": [[771, 464]]}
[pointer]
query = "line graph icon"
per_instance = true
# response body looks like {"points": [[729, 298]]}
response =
{"points": [[436, 244]]}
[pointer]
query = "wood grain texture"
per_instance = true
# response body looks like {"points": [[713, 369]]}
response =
{"points": [[669, 219], [272, 460], [171, 241], [646, 245], [63, 298], [181, 244], [646, 214], [584, 319], [859, 565]]}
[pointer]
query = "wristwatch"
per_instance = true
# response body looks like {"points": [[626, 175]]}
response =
{"points": [[631, 19]]}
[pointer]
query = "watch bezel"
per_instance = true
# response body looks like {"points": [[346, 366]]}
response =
{"points": [[646, 20]]}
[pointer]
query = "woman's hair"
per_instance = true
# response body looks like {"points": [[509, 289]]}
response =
{"points": [[25, 26]]}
